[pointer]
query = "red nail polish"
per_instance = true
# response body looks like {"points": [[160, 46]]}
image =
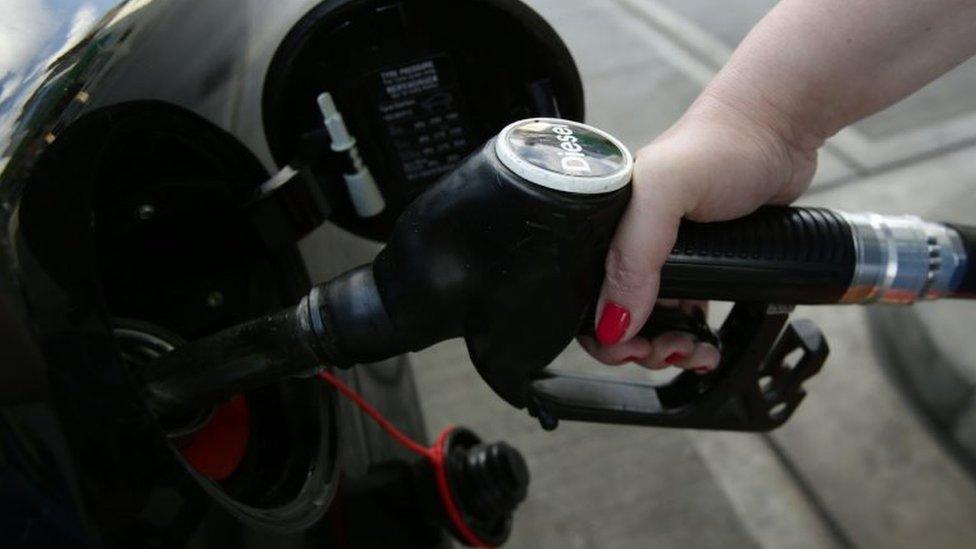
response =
{"points": [[675, 358], [613, 323]]}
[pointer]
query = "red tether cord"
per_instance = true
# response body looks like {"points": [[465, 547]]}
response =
{"points": [[434, 454]]}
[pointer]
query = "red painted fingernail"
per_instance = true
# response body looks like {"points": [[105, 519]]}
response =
{"points": [[613, 323], [675, 358]]}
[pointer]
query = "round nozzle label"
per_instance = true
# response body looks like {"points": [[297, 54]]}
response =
{"points": [[564, 155]]}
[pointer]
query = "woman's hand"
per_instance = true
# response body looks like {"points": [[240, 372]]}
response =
{"points": [[808, 69], [717, 162]]}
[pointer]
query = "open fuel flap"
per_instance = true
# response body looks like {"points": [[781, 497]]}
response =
{"points": [[419, 85]]}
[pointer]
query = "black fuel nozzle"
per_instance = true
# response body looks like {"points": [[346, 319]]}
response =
{"points": [[506, 251]]}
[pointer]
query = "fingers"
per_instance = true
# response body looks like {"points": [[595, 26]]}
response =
{"points": [[634, 350], [669, 349], [703, 359], [673, 348], [638, 251], [677, 349]]}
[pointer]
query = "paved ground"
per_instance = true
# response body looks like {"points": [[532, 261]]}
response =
{"points": [[855, 466]]}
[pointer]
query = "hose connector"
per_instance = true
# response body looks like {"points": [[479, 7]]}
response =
{"points": [[903, 259]]}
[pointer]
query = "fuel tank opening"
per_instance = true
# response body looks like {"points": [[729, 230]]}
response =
{"points": [[137, 211], [214, 439]]}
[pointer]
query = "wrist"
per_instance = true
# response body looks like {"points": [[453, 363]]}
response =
{"points": [[720, 161], [787, 150], [764, 108]]}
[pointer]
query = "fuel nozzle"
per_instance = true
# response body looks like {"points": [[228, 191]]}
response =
{"points": [[506, 251]]}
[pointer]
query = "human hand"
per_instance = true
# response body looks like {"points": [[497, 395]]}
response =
{"points": [[720, 161]]}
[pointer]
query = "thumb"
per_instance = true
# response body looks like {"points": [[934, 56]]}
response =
{"points": [[639, 249]]}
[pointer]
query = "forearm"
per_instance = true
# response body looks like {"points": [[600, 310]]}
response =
{"points": [[812, 67]]}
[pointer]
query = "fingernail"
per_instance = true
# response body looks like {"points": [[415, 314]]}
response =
{"points": [[613, 323], [675, 358], [701, 370]]}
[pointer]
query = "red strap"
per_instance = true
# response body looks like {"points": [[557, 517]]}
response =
{"points": [[444, 489]]}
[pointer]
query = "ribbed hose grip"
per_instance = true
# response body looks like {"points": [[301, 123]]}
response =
{"points": [[777, 255]]}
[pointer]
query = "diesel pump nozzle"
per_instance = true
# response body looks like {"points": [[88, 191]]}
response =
{"points": [[507, 251]]}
